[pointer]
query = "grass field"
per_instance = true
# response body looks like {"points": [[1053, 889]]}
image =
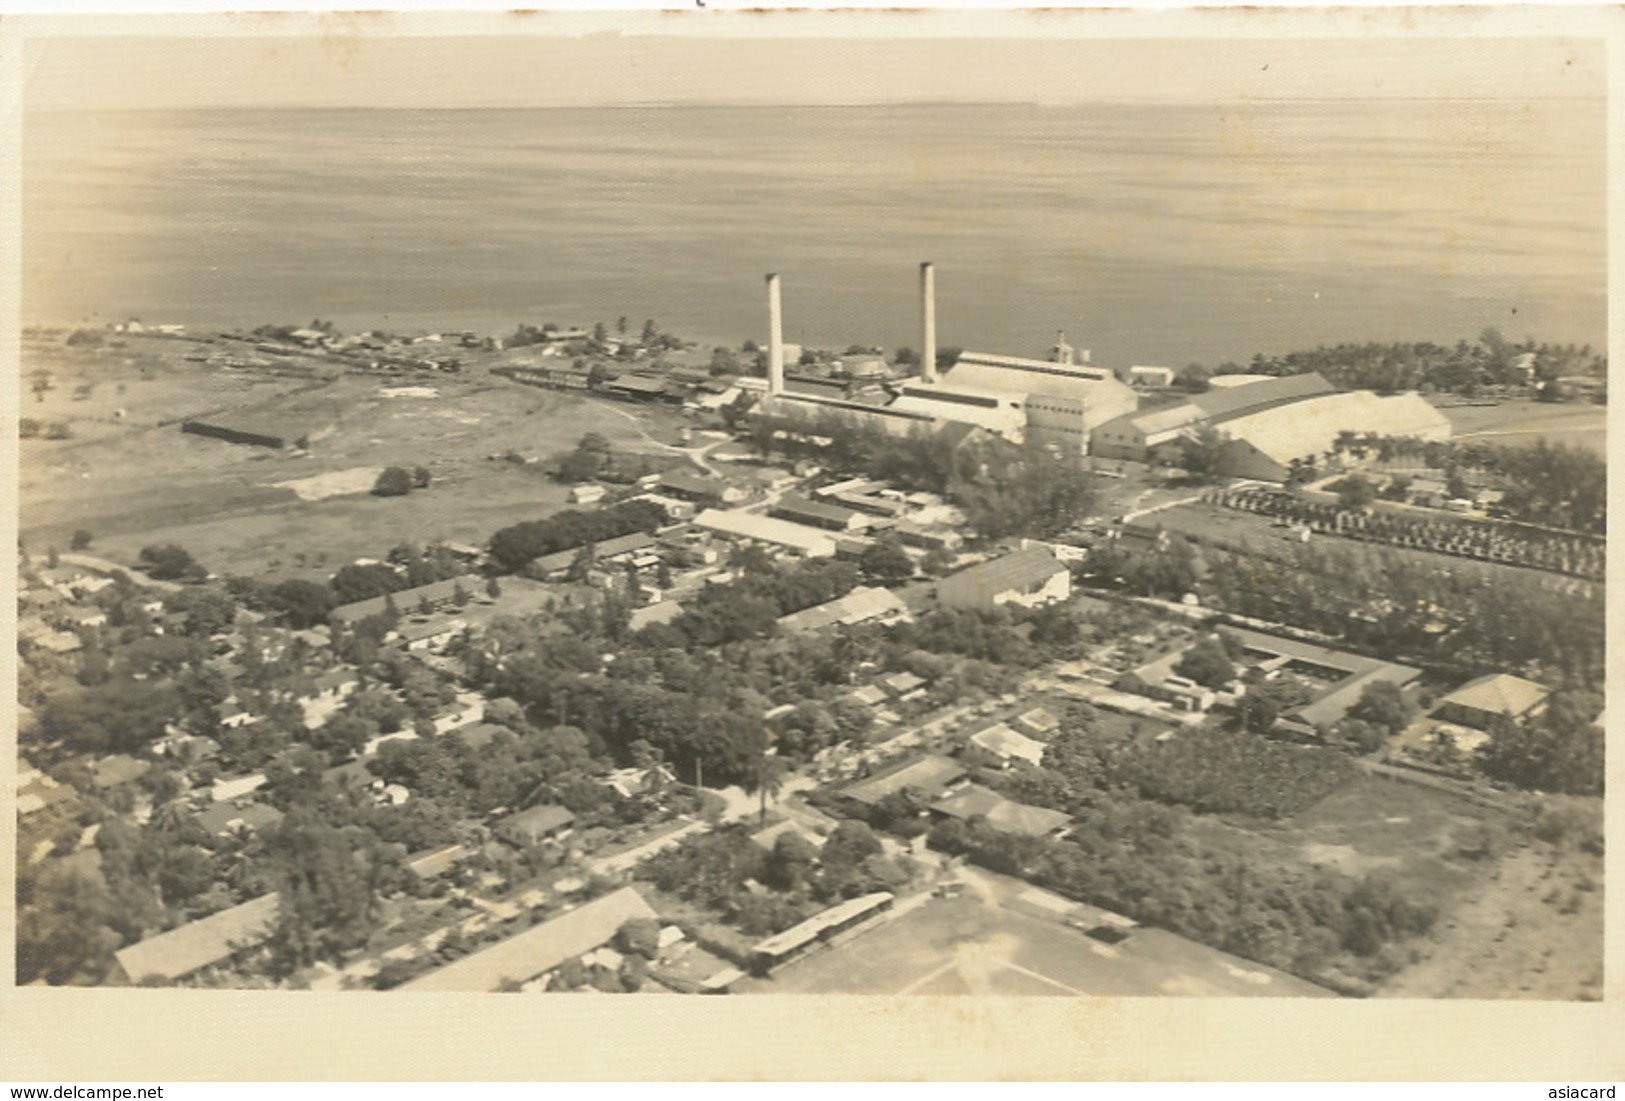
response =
{"points": [[1419, 836], [1524, 422], [1535, 930], [1517, 919], [138, 480], [992, 941]]}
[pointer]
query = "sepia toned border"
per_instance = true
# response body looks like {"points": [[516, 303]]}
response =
{"points": [[59, 1035]]}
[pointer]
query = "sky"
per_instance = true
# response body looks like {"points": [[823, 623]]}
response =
{"points": [[598, 59]]}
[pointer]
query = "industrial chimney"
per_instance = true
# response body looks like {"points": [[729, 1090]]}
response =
{"points": [[775, 337], [928, 322]]}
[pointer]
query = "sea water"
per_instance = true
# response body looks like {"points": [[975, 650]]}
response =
{"points": [[1150, 234]]}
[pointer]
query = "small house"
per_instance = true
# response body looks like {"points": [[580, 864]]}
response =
{"points": [[1478, 703], [534, 825]]}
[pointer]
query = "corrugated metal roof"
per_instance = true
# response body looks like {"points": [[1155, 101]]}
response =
{"points": [[608, 548], [540, 819], [1001, 813]]}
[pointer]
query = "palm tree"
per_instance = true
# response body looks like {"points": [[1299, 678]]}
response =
{"points": [[768, 775]]}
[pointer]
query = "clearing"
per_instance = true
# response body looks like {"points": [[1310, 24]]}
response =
{"points": [[1523, 422], [132, 478]]}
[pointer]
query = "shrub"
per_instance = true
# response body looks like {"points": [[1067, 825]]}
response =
{"points": [[395, 481]]}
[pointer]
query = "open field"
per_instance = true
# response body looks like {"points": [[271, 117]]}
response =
{"points": [[1534, 931], [1501, 931], [1576, 424], [991, 941], [138, 480], [1419, 836]]}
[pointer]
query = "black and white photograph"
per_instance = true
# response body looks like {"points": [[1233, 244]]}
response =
{"points": [[723, 504]]}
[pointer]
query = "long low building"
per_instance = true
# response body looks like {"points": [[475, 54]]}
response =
{"points": [[1347, 675], [190, 948], [250, 431], [437, 594], [861, 605], [1266, 443], [798, 538], [1137, 435], [539, 949], [819, 929], [1270, 424]]}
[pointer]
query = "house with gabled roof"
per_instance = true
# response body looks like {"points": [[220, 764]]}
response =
{"points": [[1005, 815], [1003, 744], [533, 825]]}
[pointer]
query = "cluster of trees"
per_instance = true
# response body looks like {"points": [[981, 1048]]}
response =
{"points": [[299, 603], [1550, 484], [1016, 637], [699, 706], [122, 715], [526, 335], [397, 481], [171, 562], [714, 869], [29, 428], [1467, 368], [1207, 770], [1562, 750], [1135, 845], [591, 458], [1143, 860], [325, 858], [1234, 771], [514, 547], [513, 771], [1462, 617], [715, 736], [750, 606], [595, 459], [1003, 489]]}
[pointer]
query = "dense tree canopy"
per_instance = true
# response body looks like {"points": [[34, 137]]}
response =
{"points": [[512, 548]]}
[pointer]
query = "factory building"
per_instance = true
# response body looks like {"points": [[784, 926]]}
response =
{"points": [[1270, 423], [1138, 436], [1056, 402], [1264, 444]]}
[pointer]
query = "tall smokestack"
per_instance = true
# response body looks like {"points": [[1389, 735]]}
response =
{"points": [[928, 322], [775, 337]]}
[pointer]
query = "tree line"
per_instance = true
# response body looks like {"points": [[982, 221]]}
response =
{"points": [[514, 547], [1466, 367]]}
